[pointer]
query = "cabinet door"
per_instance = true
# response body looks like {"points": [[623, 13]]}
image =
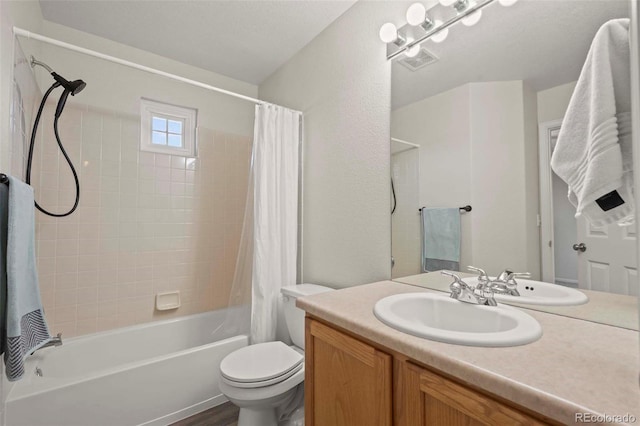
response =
{"points": [[347, 382], [425, 398]]}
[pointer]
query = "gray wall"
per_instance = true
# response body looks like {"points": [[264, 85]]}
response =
{"points": [[341, 81]]}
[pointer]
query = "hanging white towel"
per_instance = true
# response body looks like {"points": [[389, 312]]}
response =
{"points": [[593, 152]]}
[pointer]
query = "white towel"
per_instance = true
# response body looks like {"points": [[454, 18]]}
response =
{"points": [[593, 152]]}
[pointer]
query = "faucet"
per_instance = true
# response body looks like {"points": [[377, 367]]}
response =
{"points": [[55, 341], [505, 283], [479, 295], [483, 279]]}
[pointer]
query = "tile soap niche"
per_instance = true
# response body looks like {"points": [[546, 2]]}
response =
{"points": [[167, 301]]}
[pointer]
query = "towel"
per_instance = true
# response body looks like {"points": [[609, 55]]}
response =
{"points": [[593, 151], [441, 239], [24, 328]]}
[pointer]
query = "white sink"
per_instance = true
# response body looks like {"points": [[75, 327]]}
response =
{"points": [[441, 318], [539, 293]]}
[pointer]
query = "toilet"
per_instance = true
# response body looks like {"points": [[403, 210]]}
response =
{"points": [[263, 377]]}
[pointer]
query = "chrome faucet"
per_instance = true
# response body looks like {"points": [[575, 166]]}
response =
{"points": [[478, 295], [55, 341], [505, 283]]}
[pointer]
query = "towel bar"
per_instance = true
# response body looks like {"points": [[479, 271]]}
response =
{"points": [[466, 208]]}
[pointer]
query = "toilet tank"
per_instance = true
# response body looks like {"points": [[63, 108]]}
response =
{"points": [[295, 316]]}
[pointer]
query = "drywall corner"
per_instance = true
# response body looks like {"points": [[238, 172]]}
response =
{"points": [[341, 81]]}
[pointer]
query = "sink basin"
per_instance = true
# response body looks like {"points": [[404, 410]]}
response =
{"points": [[540, 293], [441, 318]]}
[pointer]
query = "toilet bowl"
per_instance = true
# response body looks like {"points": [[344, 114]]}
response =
{"points": [[262, 378]]}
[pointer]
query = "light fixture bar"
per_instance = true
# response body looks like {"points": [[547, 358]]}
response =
{"points": [[474, 8]]}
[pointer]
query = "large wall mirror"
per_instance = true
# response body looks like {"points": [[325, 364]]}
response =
{"points": [[474, 122]]}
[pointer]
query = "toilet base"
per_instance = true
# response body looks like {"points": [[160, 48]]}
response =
{"points": [[257, 416]]}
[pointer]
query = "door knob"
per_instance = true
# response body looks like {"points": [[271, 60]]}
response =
{"points": [[580, 247]]}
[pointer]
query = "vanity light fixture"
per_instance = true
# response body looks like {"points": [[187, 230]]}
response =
{"points": [[417, 16], [421, 27], [389, 34], [440, 36], [412, 50]]}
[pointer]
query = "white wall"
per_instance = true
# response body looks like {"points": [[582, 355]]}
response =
{"points": [[552, 105], [119, 88], [498, 186], [553, 102], [341, 81], [478, 146]]}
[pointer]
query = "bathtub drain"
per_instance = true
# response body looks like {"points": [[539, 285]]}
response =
{"points": [[38, 372]]}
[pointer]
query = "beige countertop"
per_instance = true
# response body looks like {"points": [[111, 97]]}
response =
{"points": [[576, 366], [606, 308]]}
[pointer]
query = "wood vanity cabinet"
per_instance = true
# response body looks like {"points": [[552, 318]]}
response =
{"points": [[352, 383], [347, 382]]}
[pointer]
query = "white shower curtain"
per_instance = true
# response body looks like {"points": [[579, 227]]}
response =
{"points": [[275, 214]]}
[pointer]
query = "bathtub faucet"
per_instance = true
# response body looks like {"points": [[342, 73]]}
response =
{"points": [[55, 341]]}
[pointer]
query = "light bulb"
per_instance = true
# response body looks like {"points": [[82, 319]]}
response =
{"points": [[507, 3], [388, 33], [412, 51], [471, 20], [442, 35], [447, 2], [416, 14]]}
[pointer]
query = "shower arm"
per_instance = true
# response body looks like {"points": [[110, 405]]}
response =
{"points": [[35, 62]]}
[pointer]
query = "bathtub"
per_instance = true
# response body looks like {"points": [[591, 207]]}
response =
{"points": [[152, 374]]}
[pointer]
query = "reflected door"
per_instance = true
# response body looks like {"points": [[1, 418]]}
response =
{"points": [[607, 258]]}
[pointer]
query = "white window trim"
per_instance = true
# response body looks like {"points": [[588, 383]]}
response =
{"points": [[189, 116]]}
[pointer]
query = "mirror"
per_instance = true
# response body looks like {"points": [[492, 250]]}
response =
{"points": [[474, 120]]}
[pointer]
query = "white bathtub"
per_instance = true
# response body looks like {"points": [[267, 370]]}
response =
{"points": [[151, 374]]}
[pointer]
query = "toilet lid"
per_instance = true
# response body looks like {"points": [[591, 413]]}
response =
{"points": [[260, 363]]}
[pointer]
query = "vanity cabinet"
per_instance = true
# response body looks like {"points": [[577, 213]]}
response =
{"points": [[351, 383], [427, 398], [347, 382]]}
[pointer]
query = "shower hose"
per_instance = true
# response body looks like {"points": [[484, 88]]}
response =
{"points": [[66, 156]]}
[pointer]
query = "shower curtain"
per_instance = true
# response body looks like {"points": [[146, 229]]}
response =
{"points": [[275, 214]]}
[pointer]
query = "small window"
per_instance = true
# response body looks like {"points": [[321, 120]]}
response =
{"points": [[167, 129]]}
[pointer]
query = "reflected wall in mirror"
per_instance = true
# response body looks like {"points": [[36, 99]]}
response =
{"points": [[474, 121]]}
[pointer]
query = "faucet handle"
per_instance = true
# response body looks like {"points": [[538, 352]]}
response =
{"points": [[521, 274], [482, 275], [457, 285]]}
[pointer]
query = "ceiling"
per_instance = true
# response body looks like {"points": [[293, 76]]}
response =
{"points": [[245, 40], [543, 42]]}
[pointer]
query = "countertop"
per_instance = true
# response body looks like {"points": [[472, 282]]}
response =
{"points": [[576, 366], [606, 308]]}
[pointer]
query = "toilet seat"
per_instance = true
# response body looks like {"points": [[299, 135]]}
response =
{"points": [[260, 365]]}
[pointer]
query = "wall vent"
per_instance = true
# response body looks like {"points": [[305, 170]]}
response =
{"points": [[422, 59]]}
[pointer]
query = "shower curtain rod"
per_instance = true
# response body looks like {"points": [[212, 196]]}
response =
{"points": [[28, 34]]}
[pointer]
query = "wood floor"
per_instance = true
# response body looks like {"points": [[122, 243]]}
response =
{"points": [[222, 415]]}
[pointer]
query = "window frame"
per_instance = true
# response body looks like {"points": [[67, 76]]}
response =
{"points": [[189, 117]]}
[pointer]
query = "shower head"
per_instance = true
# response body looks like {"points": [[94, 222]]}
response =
{"points": [[73, 87]]}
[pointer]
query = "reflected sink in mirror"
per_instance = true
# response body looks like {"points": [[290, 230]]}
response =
{"points": [[539, 293], [441, 318]]}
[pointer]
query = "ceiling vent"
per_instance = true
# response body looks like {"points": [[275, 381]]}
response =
{"points": [[422, 59]]}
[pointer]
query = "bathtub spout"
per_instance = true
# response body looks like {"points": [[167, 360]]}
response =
{"points": [[55, 341]]}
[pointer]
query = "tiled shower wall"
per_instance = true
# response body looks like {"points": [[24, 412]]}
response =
{"points": [[147, 223]]}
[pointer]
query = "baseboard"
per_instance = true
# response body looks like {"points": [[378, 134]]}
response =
{"points": [[187, 412]]}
